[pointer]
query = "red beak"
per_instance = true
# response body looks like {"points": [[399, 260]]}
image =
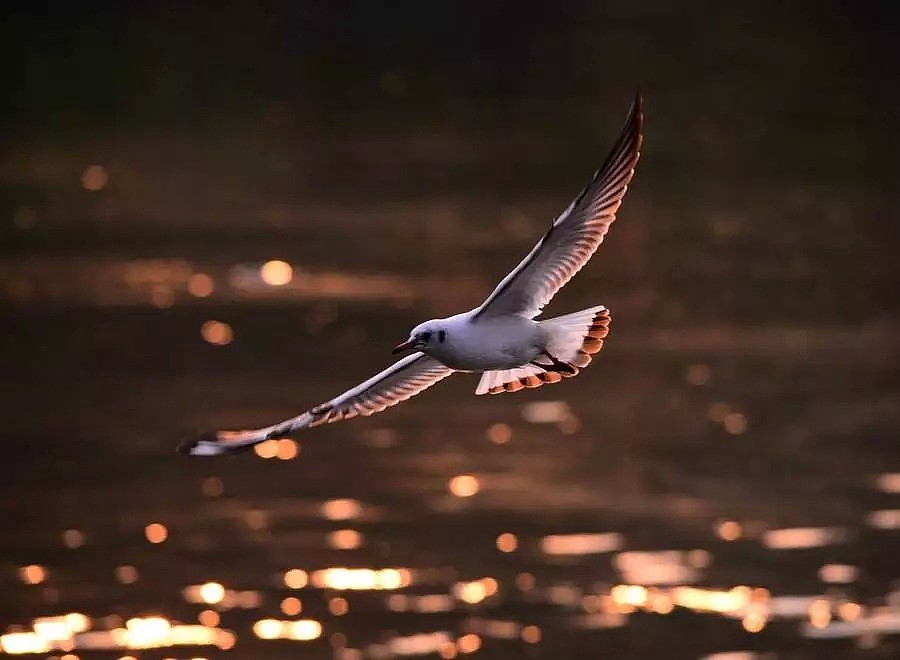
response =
{"points": [[405, 346]]}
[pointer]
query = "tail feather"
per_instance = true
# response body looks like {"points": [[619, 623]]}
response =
{"points": [[513, 380], [573, 339]]}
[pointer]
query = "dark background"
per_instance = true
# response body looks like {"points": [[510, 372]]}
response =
{"points": [[402, 157]]}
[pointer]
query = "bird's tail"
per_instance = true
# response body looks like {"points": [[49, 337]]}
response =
{"points": [[573, 340], [575, 337]]}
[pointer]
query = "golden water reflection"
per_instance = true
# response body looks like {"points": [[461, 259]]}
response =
{"points": [[567, 517]]}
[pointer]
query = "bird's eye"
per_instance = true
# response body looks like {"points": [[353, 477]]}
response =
{"points": [[426, 337], [442, 335]]}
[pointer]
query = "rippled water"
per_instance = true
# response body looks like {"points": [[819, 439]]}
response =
{"points": [[702, 491]]}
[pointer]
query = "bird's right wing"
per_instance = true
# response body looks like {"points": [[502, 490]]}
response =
{"points": [[402, 380], [575, 235]]}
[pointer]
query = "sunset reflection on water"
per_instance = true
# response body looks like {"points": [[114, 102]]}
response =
{"points": [[553, 575], [721, 484], [564, 565]]}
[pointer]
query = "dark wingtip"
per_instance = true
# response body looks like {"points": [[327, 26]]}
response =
{"points": [[637, 106], [207, 436]]}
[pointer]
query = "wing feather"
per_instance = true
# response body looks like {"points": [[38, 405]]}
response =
{"points": [[574, 237], [402, 380]]}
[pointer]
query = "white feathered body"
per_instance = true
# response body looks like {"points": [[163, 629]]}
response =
{"points": [[481, 344]]}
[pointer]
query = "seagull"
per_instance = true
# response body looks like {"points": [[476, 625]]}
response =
{"points": [[502, 338]]}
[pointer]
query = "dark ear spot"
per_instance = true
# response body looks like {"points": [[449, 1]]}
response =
{"points": [[442, 335]]}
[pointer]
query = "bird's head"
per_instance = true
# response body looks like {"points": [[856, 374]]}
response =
{"points": [[424, 336]]}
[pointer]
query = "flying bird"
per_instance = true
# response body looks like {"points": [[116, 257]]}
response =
{"points": [[501, 338]]}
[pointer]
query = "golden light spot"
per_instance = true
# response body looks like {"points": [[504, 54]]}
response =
{"points": [[54, 628], [226, 640], [16, 643], [698, 374], [499, 434], [889, 482], [735, 423], [345, 539], [276, 273], [470, 592], [217, 333], [525, 581], [256, 519], [754, 622], [267, 628], [629, 595], [850, 611], [126, 574], [212, 487], [32, 574], [392, 578], [291, 606], [545, 412], [820, 613], [287, 449], [699, 558], [343, 509], [340, 578], [729, 530], [69, 656], [531, 634], [661, 603], [803, 537], [884, 519], [469, 643], [266, 449], [507, 542], [156, 532], [838, 573], [760, 595], [212, 592], [397, 602], [464, 485], [146, 632], [73, 538], [490, 586], [581, 544], [94, 178], [77, 622], [296, 579], [448, 650], [209, 618], [201, 285], [304, 630], [338, 606]]}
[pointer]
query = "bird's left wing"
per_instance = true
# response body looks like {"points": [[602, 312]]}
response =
{"points": [[402, 380], [574, 237]]}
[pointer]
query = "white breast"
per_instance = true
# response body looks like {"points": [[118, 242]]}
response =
{"points": [[495, 343]]}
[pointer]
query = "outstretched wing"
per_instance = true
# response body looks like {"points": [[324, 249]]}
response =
{"points": [[575, 235], [397, 383]]}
